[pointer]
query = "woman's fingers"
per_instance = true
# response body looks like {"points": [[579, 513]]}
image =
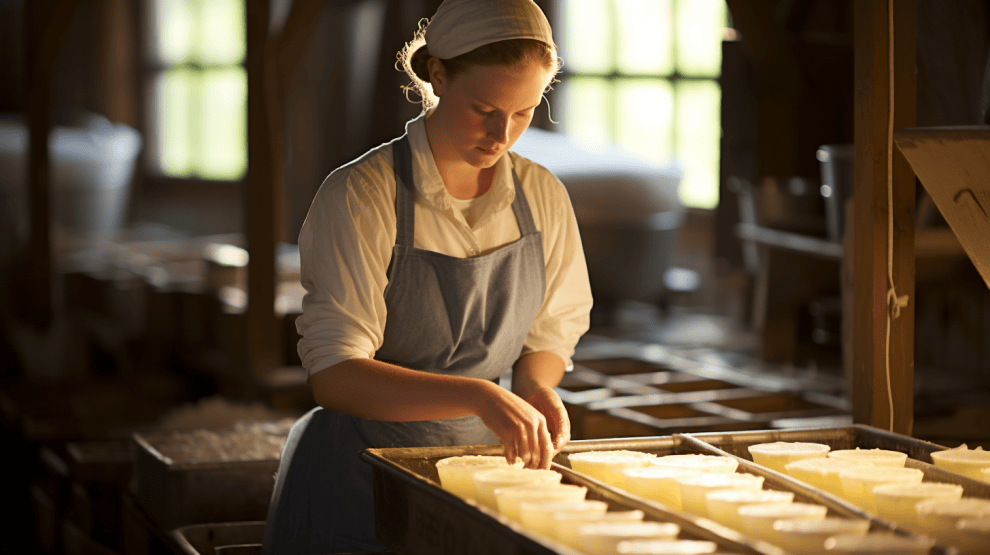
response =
{"points": [[546, 448], [521, 429], [561, 428], [529, 438], [549, 404], [563, 434], [511, 452], [540, 444], [525, 448]]}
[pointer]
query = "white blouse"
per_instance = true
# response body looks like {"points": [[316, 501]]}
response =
{"points": [[346, 242]]}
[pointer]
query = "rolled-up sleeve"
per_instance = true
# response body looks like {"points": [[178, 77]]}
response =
{"points": [[566, 311], [345, 248]]}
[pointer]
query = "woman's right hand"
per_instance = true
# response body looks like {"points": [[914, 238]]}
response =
{"points": [[520, 428]]}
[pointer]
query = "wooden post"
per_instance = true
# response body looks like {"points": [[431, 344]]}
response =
{"points": [[264, 204], [39, 109], [117, 62], [45, 24], [771, 50], [871, 283]]}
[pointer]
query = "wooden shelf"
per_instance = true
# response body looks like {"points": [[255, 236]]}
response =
{"points": [[953, 164]]}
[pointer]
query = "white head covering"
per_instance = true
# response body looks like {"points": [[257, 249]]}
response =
{"points": [[460, 26]]}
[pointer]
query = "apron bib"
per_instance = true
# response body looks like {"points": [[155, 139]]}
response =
{"points": [[446, 315]]}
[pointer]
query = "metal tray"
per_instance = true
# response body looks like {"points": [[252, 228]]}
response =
{"points": [[414, 515], [848, 437], [688, 443], [108, 461], [204, 539], [175, 495]]}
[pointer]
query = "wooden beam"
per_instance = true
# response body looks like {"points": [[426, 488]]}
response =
{"points": [[117, 62], [46, 22], [293, 39], [263, 199], [769, 44], [869, 387], [779, 84]]}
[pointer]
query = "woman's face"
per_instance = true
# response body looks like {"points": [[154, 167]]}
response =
{"points": [[483, 110]]}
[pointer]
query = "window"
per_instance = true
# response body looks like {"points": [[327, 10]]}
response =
{"points": [[197, 84], [643, 74]]}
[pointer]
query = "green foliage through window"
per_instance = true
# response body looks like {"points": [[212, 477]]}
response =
{"points": [[643, 74], [199, 91]]}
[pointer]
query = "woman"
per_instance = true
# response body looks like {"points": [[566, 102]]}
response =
{"points": [[433, 264]]}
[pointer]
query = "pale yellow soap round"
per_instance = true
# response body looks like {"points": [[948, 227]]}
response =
{"points": [[940, 515], [858, 483], [703, 463], [776, 455], [508, 499], [897, 502], [657, 483], [757, 520], [455, 472], [566, 525], [968, 462], [487, 481], [875, 457], [536, 516], [694, 488], [808, 536], [878, 542], [665, 547], [820, 473], [723, 504], [604, 537], [607, 466]]}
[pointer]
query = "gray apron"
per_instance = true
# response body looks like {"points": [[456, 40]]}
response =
{"points": [[446, 315]]}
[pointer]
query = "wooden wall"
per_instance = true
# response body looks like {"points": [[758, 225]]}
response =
{"points": [[953, 304], [787, 88]]}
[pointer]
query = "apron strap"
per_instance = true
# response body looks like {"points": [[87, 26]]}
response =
{"points": [[405, 215], [524, 217]]}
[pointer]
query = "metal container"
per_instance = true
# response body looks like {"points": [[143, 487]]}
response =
{"points": [[414, 515], [106, 461], [206, 539], [175, 495], [864, 437], [696, 443], [686, 444], [75, 541], [849, 437], [139, 534]]}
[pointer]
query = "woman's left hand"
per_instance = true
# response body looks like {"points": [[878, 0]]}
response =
{"points": [[546, 400]]}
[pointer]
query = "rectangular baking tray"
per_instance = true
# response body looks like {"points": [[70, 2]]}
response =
{"points": [[414, 515], [175, 495]]}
